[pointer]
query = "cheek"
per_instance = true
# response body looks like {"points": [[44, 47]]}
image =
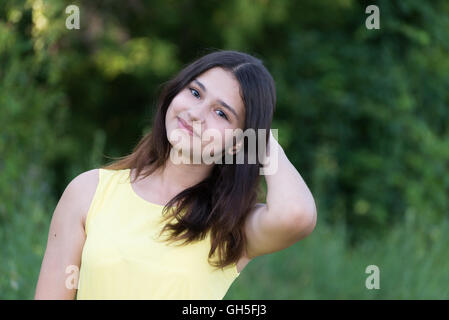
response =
{"points": [[179, 102], [170, 120], [176, 107]]}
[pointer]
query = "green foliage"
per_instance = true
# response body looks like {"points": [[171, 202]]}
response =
{"points": [[362, 114], [412, 262]]}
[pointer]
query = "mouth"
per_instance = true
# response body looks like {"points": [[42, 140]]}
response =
{"points": [[184, 125]]}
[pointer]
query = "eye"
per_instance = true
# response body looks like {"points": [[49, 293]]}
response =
{"points": [[193, 91], [223, 114], [196, 94]]}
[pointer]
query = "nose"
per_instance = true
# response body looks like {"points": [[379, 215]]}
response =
{"points": [[197, 114]]}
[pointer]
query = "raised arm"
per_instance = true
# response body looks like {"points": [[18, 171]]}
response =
{"points": [[289, 213]]}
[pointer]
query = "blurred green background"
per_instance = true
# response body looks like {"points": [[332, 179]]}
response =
{"points": [[362, 114]]}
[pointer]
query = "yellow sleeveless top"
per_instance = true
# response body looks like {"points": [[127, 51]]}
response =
{"points": [[122, 257]]}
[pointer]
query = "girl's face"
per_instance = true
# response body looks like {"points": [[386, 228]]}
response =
{"points": [[210, 104]]}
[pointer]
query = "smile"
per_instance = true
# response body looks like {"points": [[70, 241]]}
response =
{"points": [[184, 125]]}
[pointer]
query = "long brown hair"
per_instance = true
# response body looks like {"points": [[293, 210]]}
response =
{"points": [[220, 203]]}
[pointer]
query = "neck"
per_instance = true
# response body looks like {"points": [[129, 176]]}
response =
{"points": [[173, 178], [182, 176]]}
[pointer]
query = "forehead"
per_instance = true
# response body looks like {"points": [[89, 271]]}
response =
{"points": [[221, 84]]}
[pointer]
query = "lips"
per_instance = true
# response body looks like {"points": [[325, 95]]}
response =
{"points": [[184, 125]]}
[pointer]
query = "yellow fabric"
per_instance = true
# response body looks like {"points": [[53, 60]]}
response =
{"points": [[122, 259]]}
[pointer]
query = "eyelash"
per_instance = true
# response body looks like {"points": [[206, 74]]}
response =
{"points": [[224, 114]]}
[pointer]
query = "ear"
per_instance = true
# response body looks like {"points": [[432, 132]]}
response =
{"points": [[236, 148]]}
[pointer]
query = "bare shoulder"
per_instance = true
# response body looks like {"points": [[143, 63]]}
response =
{"points": [[83, 187], [66, 237]]}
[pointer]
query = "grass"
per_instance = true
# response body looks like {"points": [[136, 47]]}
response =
{"points": [[412, 265], [412, 259]]}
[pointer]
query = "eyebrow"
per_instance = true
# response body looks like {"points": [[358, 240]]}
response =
{"points": [[224, 104]]}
